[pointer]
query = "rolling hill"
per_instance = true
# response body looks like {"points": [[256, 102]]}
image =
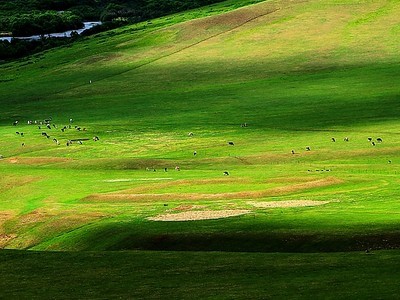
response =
{"points": [[297, 101]]}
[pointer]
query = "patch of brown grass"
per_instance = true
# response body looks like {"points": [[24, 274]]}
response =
{"points": [[184, 207], [199, 196], [36, 160], [8, 182], [5, 239], [184, 182]]}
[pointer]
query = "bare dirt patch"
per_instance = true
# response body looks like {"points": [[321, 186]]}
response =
{"points": [[199, 215], [287, 203]]}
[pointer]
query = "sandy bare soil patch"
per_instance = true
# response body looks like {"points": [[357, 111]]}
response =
{"points": [[199, 215], [287, 203]]}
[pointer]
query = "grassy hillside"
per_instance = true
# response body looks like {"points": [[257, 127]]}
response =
{"points": [[299, 74]]}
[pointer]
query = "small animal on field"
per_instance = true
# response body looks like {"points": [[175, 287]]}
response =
{"points": [[308, 148], [293, 152], [195, 153], [15, 123], [177, 168], [373, 143], [333, 139], [190, 134], [346, 139], [370, 139], [379, 140], [231, 143], [226, 173]]}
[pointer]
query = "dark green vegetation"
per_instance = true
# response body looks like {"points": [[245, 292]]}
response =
{"points": [[198, 275], [300, 75]]}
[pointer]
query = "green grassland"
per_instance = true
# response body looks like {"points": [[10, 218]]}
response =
{"points": [[298, 73]]}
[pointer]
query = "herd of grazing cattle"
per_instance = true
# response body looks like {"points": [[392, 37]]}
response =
{"points": [[51, 127]]}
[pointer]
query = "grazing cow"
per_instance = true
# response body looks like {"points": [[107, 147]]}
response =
{"points": [[95, 138], [293, 152], [71, 120], [370, 139], [195, 153], [48, 126], [389, 161], [308, 148], [17, 132], [22, 134], [333, 139], [23, 144], [39, 127], [15, 123], [54, 125], [62, 129], [80, 142], [373, 143], [346, 139], [379, 140], [1, 156], [165, 169], [68, 143], [190, 134], [177, 168], [231, 143], [226, 173]]}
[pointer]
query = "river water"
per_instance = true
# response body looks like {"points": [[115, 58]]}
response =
{"points": [[87, 25]]}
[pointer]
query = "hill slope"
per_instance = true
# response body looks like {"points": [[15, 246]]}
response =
{"points": [[299, 74]]}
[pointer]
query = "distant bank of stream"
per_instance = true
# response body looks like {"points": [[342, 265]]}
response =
{"points": [[87, 25]]}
